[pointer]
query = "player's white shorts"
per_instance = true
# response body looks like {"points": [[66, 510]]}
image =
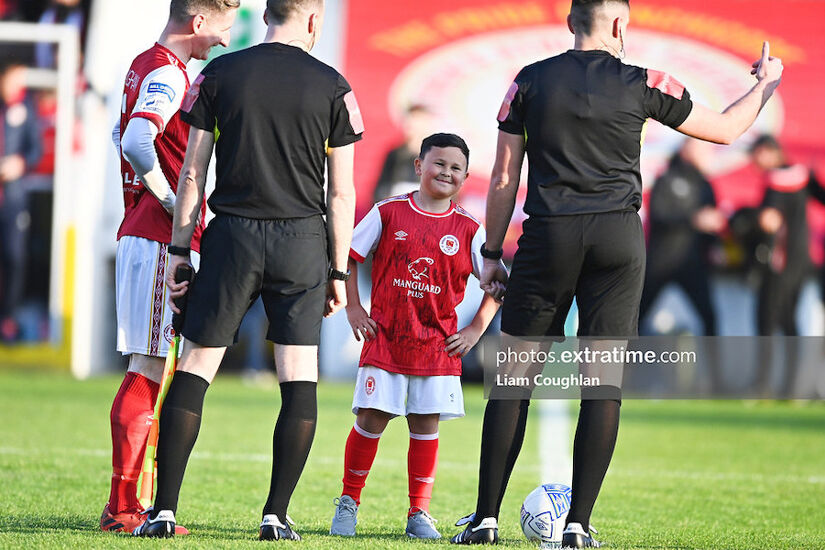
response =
{"points": [[401, 394], [144, 319]]}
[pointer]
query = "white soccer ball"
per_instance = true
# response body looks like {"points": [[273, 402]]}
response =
{"points": [[543, 514]]}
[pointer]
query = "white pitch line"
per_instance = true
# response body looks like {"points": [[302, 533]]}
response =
{"points": [[555, 447], [248, 457], [449, 465]]}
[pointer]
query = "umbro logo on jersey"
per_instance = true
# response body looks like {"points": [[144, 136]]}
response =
{"points": [[401, 235]]}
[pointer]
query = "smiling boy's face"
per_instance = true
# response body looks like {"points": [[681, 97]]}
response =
{"points": [[442, 171]]}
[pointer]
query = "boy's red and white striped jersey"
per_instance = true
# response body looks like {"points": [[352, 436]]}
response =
{"points": [[419, 273], [154, 88]]}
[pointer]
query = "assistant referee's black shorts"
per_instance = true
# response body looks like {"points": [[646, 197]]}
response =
{"points": [[597, 258], [284, 261]]}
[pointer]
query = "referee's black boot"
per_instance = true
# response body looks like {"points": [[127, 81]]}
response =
{"points": [[273, 529], [486, 532], [162, 527], [575, 537]]}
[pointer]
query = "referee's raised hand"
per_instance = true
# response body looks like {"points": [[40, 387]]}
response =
{"points": [[767, 68]]}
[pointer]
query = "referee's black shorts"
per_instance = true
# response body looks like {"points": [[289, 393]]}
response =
{"points": [[597, 258], [284, 261]]}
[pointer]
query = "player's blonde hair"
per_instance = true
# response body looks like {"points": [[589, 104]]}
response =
{"points": [[181, 10]]}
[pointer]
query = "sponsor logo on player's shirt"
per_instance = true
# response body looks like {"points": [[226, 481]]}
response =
{"points": [[401, 235], [418, 268], [161, 88], [132, 80]]}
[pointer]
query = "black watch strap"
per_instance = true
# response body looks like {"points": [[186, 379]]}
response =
{"points": [[178, 250], [491, 254], [338, 275]]}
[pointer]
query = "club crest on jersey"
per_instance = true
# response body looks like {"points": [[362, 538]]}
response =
{"points": [[449, 245], [401, 235], [168, 333], [418, 268], [369, 385]]}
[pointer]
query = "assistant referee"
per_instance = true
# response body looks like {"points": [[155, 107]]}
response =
{"points": [[275, 115], [579, 117]]}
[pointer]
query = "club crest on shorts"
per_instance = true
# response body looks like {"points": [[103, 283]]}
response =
{"points": [[369, 385], [168, 333], [449, 245]]}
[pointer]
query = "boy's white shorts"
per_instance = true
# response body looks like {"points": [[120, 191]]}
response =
{"points": [[144, 319], [401, 394]]}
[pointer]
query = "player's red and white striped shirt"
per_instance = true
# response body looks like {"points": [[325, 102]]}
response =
{"points": [[419, 273], [154, 88]]}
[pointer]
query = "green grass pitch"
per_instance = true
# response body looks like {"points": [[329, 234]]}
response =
{"points": [[685, 474]]}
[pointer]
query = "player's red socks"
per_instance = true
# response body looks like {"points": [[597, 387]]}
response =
{"points": [[131, 419], [359, 455], [422, 460]]}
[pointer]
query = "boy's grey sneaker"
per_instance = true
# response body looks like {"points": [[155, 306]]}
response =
{"points": [[421, 525], [273, 529], [345, 518]]}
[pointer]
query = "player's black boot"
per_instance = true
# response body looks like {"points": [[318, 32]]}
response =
{"points": [[575, 537], [485, 532], [163, 526], [273, 529]]}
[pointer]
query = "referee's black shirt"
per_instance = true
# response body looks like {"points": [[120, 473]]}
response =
{"points": [[274, 109], [582, 114]]}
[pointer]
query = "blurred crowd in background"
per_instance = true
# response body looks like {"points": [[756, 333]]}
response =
{"points": [[693, 244], [26, 168]]}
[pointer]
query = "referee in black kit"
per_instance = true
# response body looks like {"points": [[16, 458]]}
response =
{"points": [[276, 115], [579, 117]]}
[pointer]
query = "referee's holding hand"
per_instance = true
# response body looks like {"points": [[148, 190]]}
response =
{"points": [[579, 118], [275, 115]]}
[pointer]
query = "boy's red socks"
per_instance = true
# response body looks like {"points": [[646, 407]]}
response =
{"points": [[422, 461], [131, 418], [359, 455]]}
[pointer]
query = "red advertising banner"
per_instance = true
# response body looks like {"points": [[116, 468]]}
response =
{"points": [[458, 57]]}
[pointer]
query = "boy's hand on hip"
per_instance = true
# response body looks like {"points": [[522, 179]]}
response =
{"points": [[462, 341]]}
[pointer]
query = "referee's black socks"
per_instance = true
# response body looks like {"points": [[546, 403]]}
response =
{"points": [[180, 421], [593, 447], [501, 439], [291, 442]]}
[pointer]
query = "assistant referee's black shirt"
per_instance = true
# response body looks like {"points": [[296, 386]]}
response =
{"points": [[582, 114], [274, 110]]}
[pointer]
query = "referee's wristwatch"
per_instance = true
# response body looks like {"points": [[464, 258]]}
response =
{"points": [[178, 250], [338, 275], [491, 254]]}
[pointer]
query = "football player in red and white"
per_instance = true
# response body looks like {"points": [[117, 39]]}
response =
{"points": [[425, 248], [151, 140]]}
